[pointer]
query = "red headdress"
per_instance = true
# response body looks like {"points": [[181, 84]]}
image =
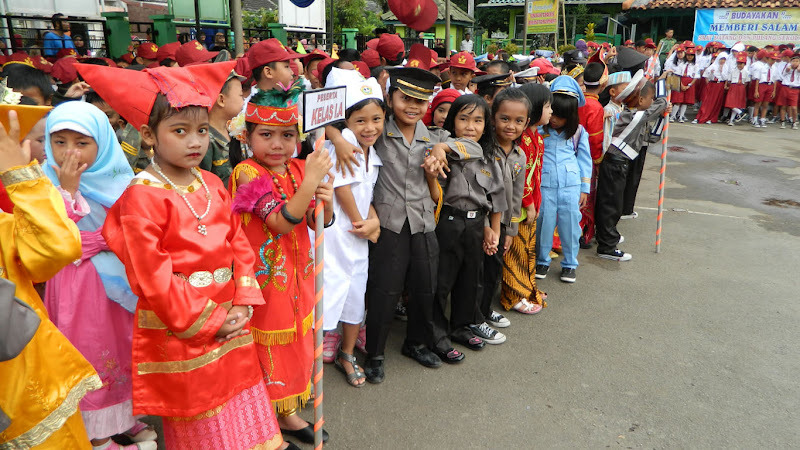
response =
{"points": [[197, 85]]}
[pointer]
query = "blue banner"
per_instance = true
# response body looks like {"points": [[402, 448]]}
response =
{"points": [[752, 26]]}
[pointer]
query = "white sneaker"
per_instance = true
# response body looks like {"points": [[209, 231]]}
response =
{"points": [[794, 125], [694, 121], [682, 119], [730, 124], [498, 320], [621, 239], [616, 255], [633, 215], [488, 334]]}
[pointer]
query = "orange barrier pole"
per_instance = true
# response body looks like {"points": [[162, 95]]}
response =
{"points": [[319, 259], [663, 176]]}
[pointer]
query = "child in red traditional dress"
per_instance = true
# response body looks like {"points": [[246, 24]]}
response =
{"points": [[274, 195], [190, 264], [736, 85]]}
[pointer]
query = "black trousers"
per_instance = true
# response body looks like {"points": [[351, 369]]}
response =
{"points": [[611, 184], [460, 273], [632, 182], [395, 258], [492, 275]]}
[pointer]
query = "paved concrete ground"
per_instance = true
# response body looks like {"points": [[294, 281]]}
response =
{"points": [[695, 347]]}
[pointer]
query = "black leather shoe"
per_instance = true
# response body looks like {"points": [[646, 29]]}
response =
{"points": [[421, 354], [451, 356], [373, 368], [467, 339], [305, 435], [292, 446]]}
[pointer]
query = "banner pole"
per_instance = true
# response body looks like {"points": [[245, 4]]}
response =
{"points": [[662, 177], [319, 261]]}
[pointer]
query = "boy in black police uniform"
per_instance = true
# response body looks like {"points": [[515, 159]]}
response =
{"points": [[407, 252]]}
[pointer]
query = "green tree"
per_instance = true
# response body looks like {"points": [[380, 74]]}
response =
{"points": [[259, 19], [492, 19], [353, 14]]}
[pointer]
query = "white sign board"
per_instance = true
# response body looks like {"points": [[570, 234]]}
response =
{"points": [[323, 107], [310, 19], [76, 8]]}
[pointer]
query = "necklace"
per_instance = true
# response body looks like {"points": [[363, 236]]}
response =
{"points": [[275, 179], [201, 228]]}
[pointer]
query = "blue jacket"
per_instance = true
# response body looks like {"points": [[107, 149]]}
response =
{"points": [[566, 162], [53, 43]]}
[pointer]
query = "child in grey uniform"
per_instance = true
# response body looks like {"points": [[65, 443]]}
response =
{"points": [[472, 190]]}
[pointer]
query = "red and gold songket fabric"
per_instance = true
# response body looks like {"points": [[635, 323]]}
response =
{"points": [[186, 283], [285, 274]]}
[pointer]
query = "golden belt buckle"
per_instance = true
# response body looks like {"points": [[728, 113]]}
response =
{"points": [[204, 278]]}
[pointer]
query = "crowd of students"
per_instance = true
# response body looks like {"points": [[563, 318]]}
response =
{"points": [[736, 83], [168, 209]]}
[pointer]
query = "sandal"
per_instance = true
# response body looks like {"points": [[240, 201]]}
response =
{"points": [[357, 374], [525, 307], [330, 343]]}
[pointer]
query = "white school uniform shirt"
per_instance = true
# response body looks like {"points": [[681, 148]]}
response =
{"points": [[757, 71], [347, 255], [669, 65], [791, 77], [703, 61], [714, 73], [733, 75], [687, 69], [776, 73]]}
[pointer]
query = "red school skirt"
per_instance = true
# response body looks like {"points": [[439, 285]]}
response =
{"points": [[765, 93], [712, 103], [737, 96], [700, 90]]}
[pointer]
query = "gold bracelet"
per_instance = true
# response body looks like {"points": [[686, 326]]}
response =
{"points": [[18, 174]]}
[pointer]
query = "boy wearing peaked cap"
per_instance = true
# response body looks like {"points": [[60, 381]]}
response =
{"points": [[462, 71], [191, 53], [147, 54], [166, 54], [489, 85], [639, 107], [391, 49], [269, 62]]}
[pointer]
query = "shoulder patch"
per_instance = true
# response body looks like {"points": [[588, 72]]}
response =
{"points": [[426, 138]]}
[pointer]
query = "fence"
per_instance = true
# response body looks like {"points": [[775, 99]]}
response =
{"points": [[27, 33]]}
